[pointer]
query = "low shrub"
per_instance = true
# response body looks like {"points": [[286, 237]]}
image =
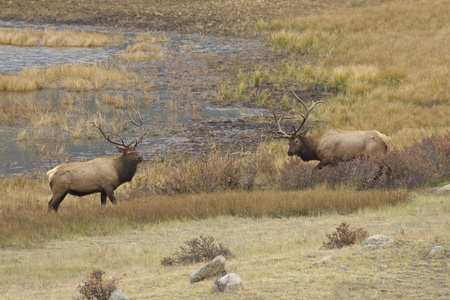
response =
{"points": [[424, 163], [206, 173], [95, 287], [197, 250], [344, 236]]}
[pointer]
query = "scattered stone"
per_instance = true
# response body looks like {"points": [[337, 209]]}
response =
{"points": [[326, 260], [376, 242], [436, 250], [228, 283], [344, 268], [215, 268], [443, 190], [118, 295]]}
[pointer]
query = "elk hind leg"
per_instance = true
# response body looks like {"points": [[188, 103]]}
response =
{"points": [[383, 169], [56, 200], [111, 196]]}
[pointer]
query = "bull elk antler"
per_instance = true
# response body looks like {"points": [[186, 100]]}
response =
{"points": [[282, 134], [122, 144]]}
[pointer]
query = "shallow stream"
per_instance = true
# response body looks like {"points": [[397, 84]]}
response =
{"points": [[51, 145]]}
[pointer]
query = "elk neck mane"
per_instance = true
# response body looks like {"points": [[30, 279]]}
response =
{"points": [[125, 170], [308, 151]]}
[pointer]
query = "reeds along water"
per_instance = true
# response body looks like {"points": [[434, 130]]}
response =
{"points": [[73, 77], [56, 38]]}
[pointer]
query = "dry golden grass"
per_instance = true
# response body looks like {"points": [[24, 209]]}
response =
{"points": [[144, 48], [54, 38], [25, 199], [75, 77]]}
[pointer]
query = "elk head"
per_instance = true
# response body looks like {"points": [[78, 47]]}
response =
{"points": [[296, 138]]}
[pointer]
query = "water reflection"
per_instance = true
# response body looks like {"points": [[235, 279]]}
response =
{"points": [[14, 58]]}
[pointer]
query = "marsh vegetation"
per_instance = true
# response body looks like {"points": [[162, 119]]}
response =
{"points": [[377, 65]]}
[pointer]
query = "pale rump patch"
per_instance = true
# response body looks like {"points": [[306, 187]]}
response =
{"points": [[51, 173]]}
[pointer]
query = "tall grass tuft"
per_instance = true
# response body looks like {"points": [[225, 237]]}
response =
{"points": [[74, 77], [54, 38], [145, 47]]}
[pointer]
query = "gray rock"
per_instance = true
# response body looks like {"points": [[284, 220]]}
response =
{"points": [[443, 190], [228, 283], [326, 260], [344, 268], [436, 250], [118, 295], [376, 242], [215, 268]]}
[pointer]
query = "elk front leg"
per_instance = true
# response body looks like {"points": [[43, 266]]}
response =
{"points": [[103, 198], [321, 165]]}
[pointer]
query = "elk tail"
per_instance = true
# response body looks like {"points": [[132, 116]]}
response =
{"points": [[387, 141], [50, 174]]}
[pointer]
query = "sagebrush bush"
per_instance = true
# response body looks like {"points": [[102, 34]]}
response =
{"points": [[197, 250], [95, 287], [216, 172], [425, 163], [344, 236], [202, 174]]}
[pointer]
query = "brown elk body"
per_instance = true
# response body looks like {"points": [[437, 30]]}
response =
{"points": [[335, 145], [100, 175]]}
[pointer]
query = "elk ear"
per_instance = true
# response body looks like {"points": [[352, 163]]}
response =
{"points": [[121, 150], [303, 133]]}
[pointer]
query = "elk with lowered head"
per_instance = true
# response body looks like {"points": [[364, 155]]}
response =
{"points": [[334, 145], [100, 175]]}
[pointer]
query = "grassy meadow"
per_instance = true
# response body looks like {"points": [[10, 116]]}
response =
{"points": [[378, 67], [377, 64], [275, 248]]}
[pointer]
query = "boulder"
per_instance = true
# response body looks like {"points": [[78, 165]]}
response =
{"points": [[377, 241], [326, 260], [344, 268], [118, 295], [443, 190], [436, 250], [215, 268], [228, 283]]}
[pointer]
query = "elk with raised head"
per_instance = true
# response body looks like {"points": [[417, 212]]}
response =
{"points": [[334, 145], [100, 175]]}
